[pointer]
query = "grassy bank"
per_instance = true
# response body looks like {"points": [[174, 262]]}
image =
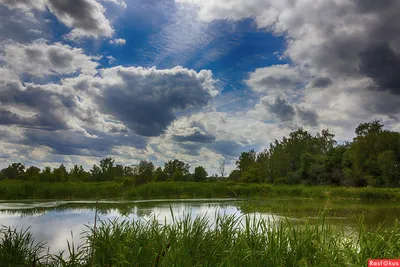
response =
{"points": [[229, 241], [10, 190]]}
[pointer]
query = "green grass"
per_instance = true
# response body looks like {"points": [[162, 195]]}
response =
{"points": [[229, 241], [110, 190], [17, 248]]}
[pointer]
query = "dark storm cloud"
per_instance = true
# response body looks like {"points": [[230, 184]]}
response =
{"points": [[371, 48], [307, 116], [41, 101], [229, 148], [80, 14], [192, 149], [38, 121], [373, 5], [281, 109], [375, 54], [382, 64], [146, 100], [321, 82], [59, 59], [68, 142], [78, 10], [52, 109], [196, 137], [9, 118]]}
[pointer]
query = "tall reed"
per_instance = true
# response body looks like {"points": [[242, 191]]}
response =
{"points": [[226, 241]]}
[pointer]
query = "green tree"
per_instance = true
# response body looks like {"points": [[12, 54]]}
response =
{"points": [[246, 159], [13, 171], [119, 170], [96, 173], [129, 171], [60, 174], [234, 175], [145, 172], [176, 169], [390, 168], [160, 175], [200, 174], [107, 169], [78, 173], [333, 165], [360, 160], [178, 175], [47, 174], [251, 175], [32, 173], [367, 128]]}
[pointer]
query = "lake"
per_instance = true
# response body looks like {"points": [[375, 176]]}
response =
{"points": [[54, 221]]}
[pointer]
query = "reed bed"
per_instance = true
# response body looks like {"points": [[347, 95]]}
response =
{"points": [[226, 241]]}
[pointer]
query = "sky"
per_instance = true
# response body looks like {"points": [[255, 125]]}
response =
{"points": [[200, 81]]}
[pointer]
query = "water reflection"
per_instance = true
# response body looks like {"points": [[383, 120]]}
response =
{"points": [[53, 222]]}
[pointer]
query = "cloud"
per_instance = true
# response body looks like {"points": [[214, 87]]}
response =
{"points": [[111, 60], [25, 4], [227, 9], [37, 106], [118, 41], [382, 64], [180, 38], [307, 116], [93, 115], [321, 82], [349, 54], [196, 137], [146, 100], [188, 130], [85, 17], [66, 142], [230, 148], [280, 108], [9, 118], [276, 79], [120, 3], [20, 26], [41, 59]]}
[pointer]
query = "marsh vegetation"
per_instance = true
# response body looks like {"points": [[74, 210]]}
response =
{"points": [[229, 241]]}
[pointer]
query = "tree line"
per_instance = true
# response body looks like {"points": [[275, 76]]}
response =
{"points": [[371, 159], [107, 170]]}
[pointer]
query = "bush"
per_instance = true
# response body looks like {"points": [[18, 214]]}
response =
{"points": [[281, 181], [377, 194], [127, 182]]}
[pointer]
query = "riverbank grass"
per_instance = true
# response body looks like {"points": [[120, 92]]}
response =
{"points": [[228, 241], [19, 190]]}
